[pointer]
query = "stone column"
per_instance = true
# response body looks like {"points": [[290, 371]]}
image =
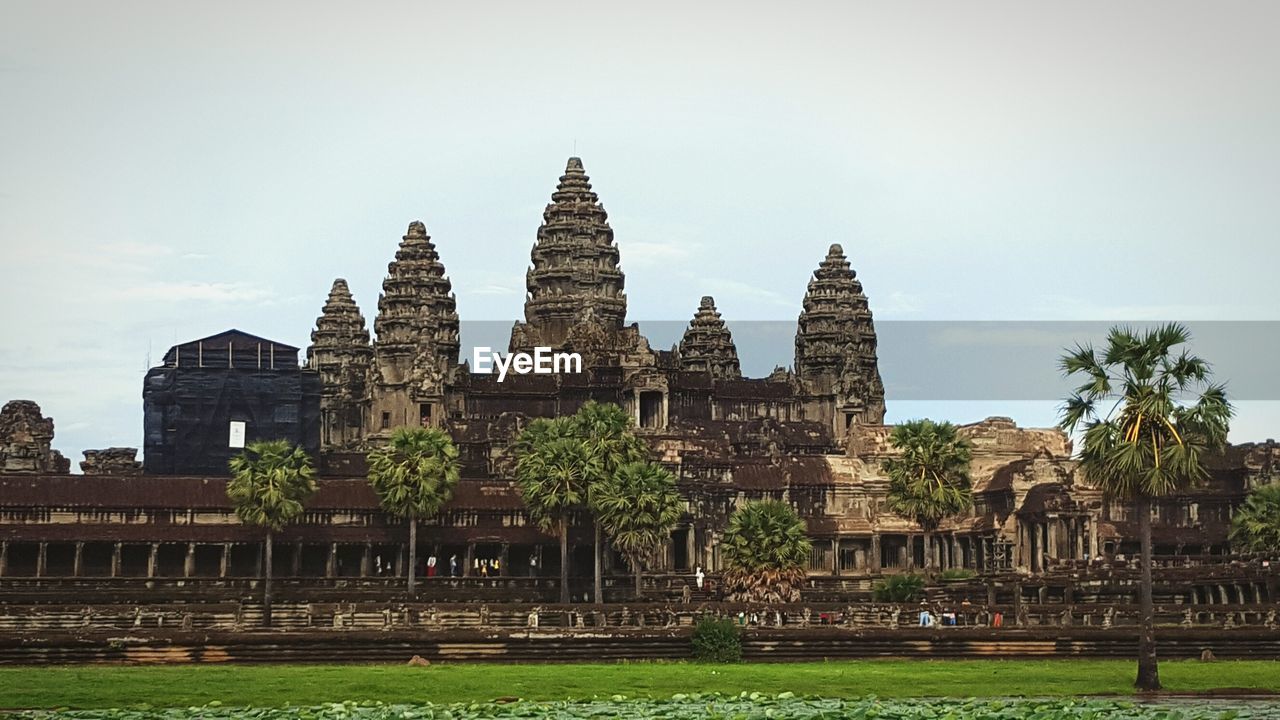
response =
{"points": [[297, 560], [876, 562], [225, 562], [471, 559], [835, 557], [366, 560], [77, 568], [115, 559], [4, 557], [690, 540], [1034, 532], [189, 563], [42, 558], [401, 571], [1093, 536], [331, 564], [151, 559], [504, 556]]}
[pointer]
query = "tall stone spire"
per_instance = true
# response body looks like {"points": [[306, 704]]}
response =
{"points": [[341, 353], [575, 275], [707, 345], [836, 343], [417, 308]]}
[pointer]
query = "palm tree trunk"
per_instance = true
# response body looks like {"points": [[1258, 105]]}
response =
{"points": [[413, 552], [564, 558], [266, 585], [1148, 670], [599, 590]]}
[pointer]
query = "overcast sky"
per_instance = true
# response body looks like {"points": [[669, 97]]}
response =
{"points": [[169, 170]]}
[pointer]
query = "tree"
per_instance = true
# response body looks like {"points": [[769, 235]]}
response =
{"points": [[929, 480], [270, 481], [553, 467], [637, 506], [1256, 525], [764, 549], [1148, 414], [606, 428], [414, 475]]}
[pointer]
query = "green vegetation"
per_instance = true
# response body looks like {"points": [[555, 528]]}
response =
{"points": [[104, 686], [898, 588], [414, 475], [717, 640], [1148, 414], [783, 706], [1256, 525], [606, 429], [637, 506], [956, 574], [270, 481], [929, 480], [765, 549], [591, 461]]}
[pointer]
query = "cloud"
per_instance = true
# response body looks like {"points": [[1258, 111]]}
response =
{"points": [[198, 291], [654, 254], [137, 249], [492, 290]]}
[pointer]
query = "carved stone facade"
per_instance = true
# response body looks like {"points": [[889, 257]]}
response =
{"points": [[416, 351], [25, 435], [707, 345], [341, 352], [111, 461], [836, 346]]}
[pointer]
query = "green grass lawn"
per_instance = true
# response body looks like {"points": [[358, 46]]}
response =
{"points": [[101, 686]]}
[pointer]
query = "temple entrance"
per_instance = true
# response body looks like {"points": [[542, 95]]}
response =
{"points": [[651, 409], [59, 560], [680, 549]]}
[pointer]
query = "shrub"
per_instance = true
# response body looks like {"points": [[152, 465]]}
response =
{"points": [[898, 588], [716, 641], [956, 574]]}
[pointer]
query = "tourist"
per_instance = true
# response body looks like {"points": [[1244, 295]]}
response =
{"points": [[533, 564], [453, 565], [431, 566], [685, 594], [497, 567], [699, 577]]}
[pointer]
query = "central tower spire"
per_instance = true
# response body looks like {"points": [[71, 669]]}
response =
{"points": [[574, 275]]}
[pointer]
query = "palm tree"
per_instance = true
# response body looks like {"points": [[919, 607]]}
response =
{"points": [[553, 468], [764, 550], [929, 480], [414, 476], [1256, 525], [270, 481], [638, 506], [1148, 415], [606, 428]]}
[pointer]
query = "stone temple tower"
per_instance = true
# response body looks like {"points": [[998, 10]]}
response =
{"points": [[341, 353], [707, 345], [416, 350], [575, 278], [836, 348]]}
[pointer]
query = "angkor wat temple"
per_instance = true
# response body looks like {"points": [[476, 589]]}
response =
{"points": [[812, 435]]}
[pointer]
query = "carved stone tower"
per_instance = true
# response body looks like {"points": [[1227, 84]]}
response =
{"points": [[416, 349], [575, 276], [836, 347], [341, 353], [707, 345]]}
